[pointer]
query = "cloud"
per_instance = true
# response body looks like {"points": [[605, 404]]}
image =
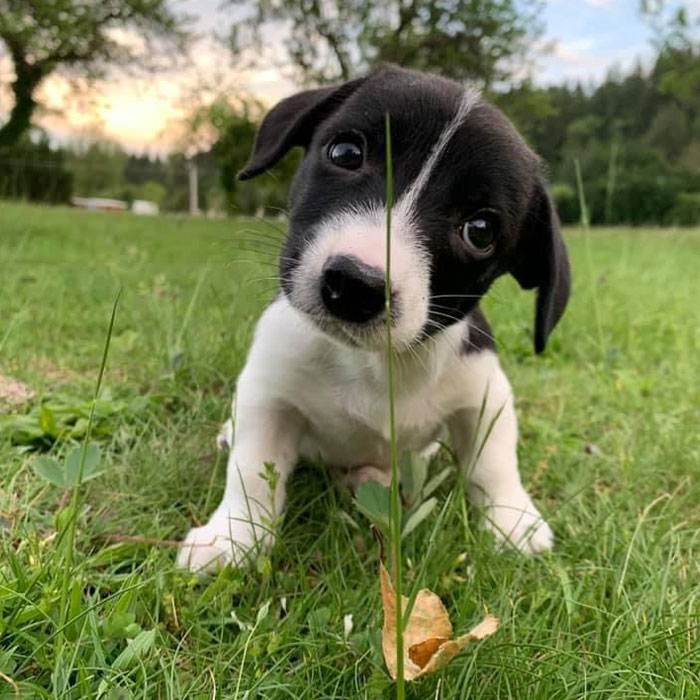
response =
{"points": [[579, 61], [140, 112]]}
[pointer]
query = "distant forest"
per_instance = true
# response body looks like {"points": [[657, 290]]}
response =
{"points": [[635, 139]]}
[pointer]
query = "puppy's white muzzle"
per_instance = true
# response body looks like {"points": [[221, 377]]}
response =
{"points": [[340, 281]]}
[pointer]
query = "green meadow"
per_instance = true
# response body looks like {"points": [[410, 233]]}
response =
{"points": [[609, 449]]}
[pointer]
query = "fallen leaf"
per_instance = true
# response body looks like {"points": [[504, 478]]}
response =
{"points": [[428, 646]]}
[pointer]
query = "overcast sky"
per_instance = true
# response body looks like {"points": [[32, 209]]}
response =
{"points": [[590, 38]]}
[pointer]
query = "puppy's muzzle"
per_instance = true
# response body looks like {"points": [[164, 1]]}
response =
{"points": [[351, 290]]}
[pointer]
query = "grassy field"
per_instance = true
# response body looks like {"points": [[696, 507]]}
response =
{"points": [[610, 450]]}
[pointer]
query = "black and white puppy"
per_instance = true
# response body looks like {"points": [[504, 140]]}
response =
{"points": [[470, 205]]}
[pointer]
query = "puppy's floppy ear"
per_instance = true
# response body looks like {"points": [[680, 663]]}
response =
{"points": [[292, 122], [541, 261]]}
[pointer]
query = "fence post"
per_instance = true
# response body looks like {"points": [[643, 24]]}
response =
{"points": [[194, 187]]}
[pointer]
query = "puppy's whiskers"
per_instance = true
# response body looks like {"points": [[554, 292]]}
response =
{"points": [[442, 336], [263, 243], [248, 261], [268, 223], [491, 294], [474, 327], [449, 317]]}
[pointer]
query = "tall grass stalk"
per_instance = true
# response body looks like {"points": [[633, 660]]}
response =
{"points": [[585, 219], [396, 510], [75, 498], [586, 225], [188, 312], [611, 180]]}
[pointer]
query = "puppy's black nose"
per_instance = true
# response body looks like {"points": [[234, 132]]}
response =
{"points": [[351, 290]]}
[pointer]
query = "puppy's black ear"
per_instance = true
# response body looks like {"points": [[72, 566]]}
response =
{"points": [[292, 122], [541, 261]]}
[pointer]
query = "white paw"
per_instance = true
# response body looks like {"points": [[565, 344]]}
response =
{"points": [[430, 451], [519, 524], [351, 479], [221, 541], [224, 439]]}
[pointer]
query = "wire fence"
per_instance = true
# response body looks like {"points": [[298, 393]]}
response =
{"points": [[171, 185], [175, 184]]}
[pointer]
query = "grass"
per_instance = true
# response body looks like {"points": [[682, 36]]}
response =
{"points": [[610, 449]]}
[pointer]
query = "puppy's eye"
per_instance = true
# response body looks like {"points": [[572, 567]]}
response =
{"points": [[346, 152], [479, 235]]}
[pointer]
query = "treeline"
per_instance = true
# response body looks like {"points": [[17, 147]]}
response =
{"points": [[634, 139], [34, 170]]}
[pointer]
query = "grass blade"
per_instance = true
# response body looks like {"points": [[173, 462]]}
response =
{"points": [[75, 499], [593, 281], [396, 512]]}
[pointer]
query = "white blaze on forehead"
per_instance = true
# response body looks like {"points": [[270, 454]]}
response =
{"points": [[408, 200]]}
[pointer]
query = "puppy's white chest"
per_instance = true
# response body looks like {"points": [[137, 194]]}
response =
{"points": [[342, 394], [348, 421]]}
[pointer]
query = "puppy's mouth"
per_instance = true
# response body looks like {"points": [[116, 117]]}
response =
{"points": [[367, 336]]}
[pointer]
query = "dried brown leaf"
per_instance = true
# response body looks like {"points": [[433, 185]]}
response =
{"points": [[427, 643]]}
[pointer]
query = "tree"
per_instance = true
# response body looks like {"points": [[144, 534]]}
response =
{"points": [[486, 41], [33, 170], [42, 36], [672, 23], [224, 129], [528, 107], [98, 168]]}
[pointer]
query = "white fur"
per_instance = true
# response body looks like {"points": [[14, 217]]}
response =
{"points": [[302, 392]]}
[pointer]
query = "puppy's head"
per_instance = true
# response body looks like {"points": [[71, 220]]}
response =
{"points": [[470, 204]]}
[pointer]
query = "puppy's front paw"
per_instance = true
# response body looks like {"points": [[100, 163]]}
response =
{"points": [[221, 541], [351, 479], [519, 524]]}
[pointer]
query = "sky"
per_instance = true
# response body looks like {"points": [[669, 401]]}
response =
{"points": [[593, 36], [590, 37]]}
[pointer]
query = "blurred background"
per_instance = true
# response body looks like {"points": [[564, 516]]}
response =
{"points": [[151, 105]]}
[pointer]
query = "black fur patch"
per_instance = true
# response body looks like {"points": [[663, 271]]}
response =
{"points": [[478, 336]]}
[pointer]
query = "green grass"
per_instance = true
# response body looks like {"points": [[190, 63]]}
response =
{"points": [[614, 610]]}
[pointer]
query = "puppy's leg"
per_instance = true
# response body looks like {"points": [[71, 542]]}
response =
{"points": [[430, 451], [486, 449], [262, 435]]}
